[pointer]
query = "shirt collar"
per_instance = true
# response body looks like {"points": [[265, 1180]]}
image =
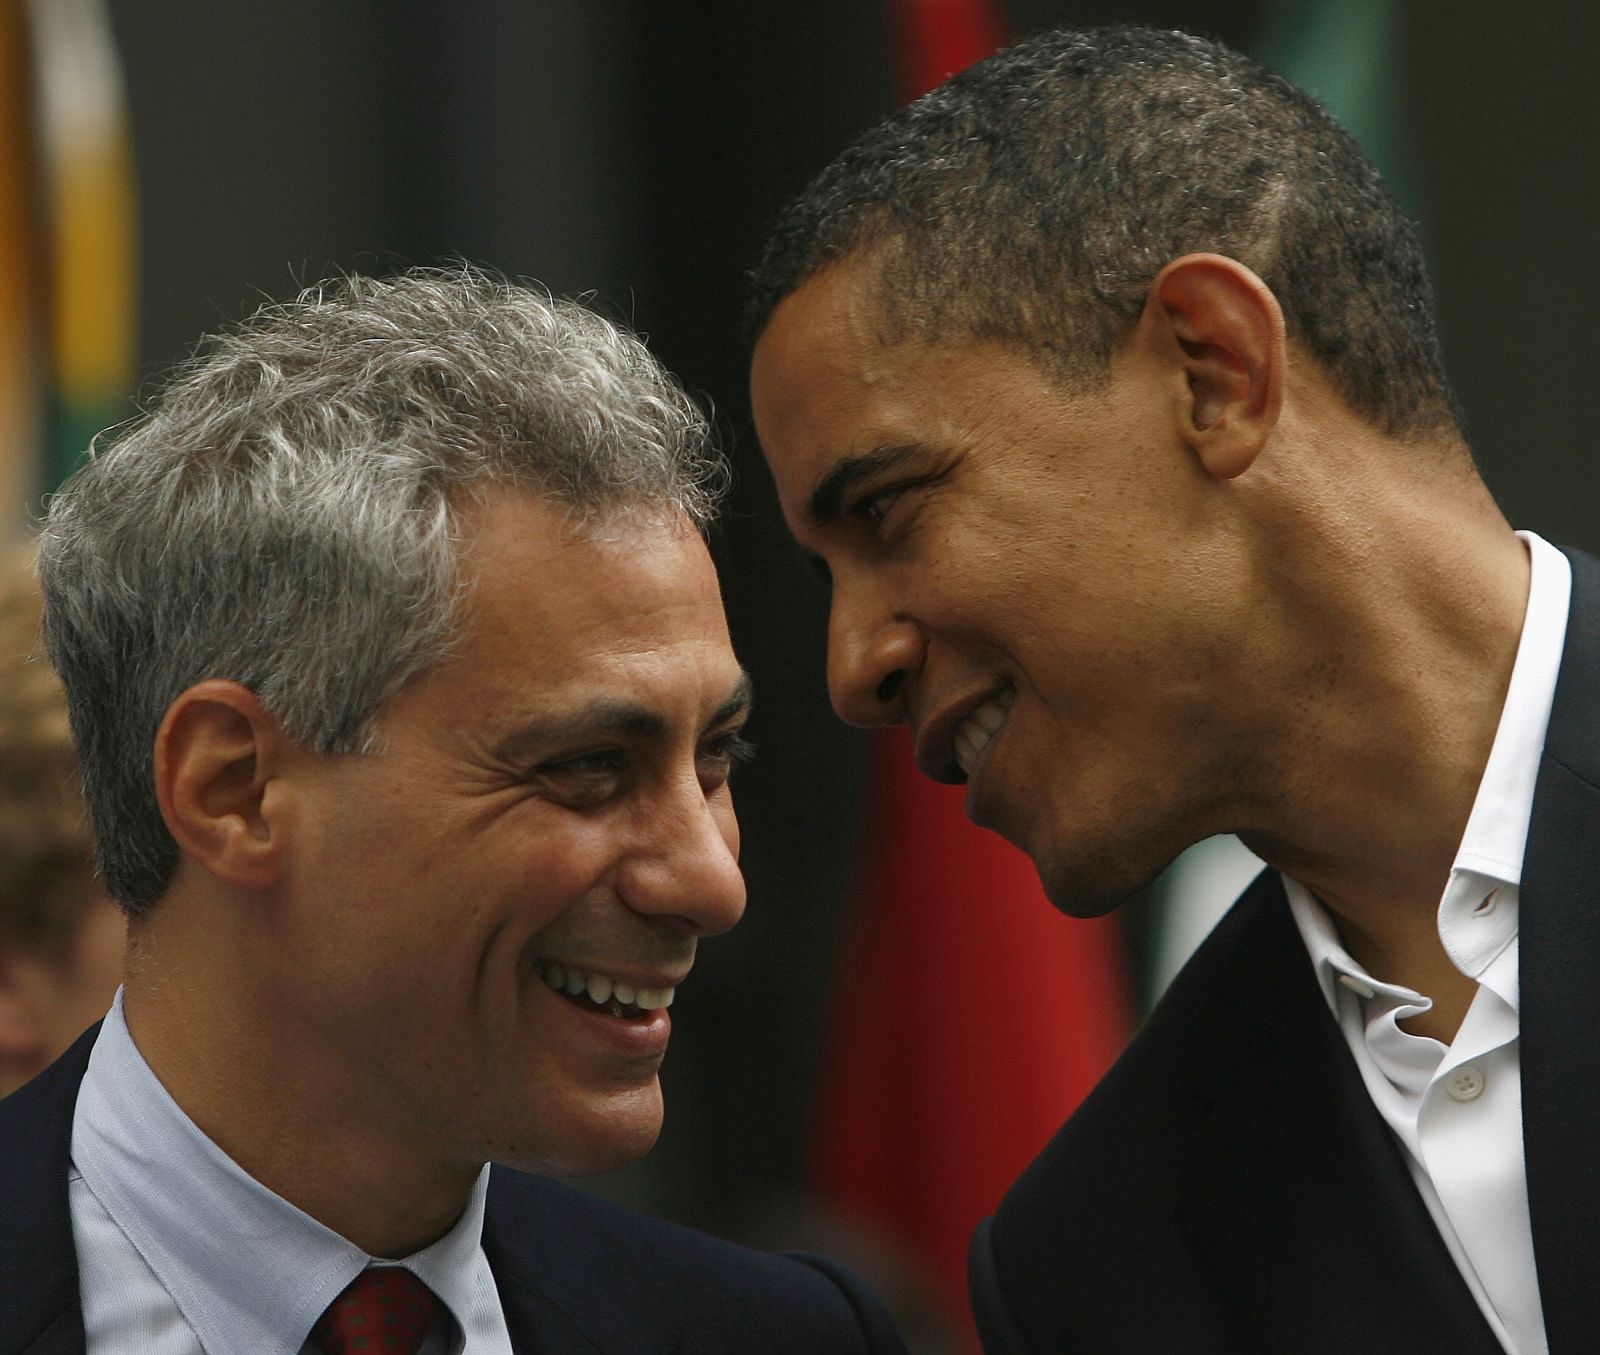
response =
{"points": [[1488, 864], [247, 1269], [1478, 915], [1497, 829]]}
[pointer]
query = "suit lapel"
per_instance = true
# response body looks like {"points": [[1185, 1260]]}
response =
{"points": [[524, 1240], [1559, 957], [1300, 1201], [536, 1325], [39, 1308]]}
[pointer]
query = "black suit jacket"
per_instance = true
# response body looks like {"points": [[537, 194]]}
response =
{"points": [[576, 1275], [1229, 1187]]}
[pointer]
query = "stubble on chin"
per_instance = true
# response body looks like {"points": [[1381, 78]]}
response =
{"points": [[1091, 883]]}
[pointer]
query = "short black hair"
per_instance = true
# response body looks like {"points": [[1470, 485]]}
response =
{"points": [[1033, 198]]}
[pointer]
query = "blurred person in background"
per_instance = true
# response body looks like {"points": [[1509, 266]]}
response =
{"points": [[61, 938], [1103, 383], [406, 708]]}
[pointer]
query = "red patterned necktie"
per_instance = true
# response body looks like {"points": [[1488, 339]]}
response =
{"points": [[385, 1310]]}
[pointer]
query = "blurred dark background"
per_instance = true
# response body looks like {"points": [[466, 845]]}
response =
{"points": [[634, 151]]}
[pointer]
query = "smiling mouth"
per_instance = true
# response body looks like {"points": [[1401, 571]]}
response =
{"points": [[975, 733], [601, 993]]}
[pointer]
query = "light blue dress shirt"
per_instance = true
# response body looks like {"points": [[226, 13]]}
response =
{"points": [[180, 1252]]}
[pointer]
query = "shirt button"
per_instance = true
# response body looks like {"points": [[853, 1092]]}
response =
{"points": [[1361, 990], [1465, 1083]]}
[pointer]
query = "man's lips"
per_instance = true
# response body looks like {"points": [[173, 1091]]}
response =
{"points": [[952, 743]]}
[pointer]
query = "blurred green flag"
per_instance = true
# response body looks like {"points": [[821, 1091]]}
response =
{"points": [[1345, 54]]}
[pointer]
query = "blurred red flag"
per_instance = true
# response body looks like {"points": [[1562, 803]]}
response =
{"points": [[971, 1017], [934, 39]]}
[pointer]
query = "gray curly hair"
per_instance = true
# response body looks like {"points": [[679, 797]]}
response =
{"points": [[285, 513]]}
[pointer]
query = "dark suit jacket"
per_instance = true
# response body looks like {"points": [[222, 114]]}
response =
{"points": [[1229, 1186], [577, 1275]]}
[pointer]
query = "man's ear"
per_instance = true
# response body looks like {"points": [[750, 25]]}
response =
{"points": [[216, 752], [1223, 325]]}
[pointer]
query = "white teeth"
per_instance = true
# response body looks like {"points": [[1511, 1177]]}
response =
{"points": [[991, 715], [967, 746], [973, 734], [602, 989]]}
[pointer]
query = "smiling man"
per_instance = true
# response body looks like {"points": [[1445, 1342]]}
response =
{"points": [[406, 711], [1103, 385]]}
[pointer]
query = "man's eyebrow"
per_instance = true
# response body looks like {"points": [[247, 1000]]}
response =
{"points": [[602, 716], [606, 715], [829, 494], [741, 696]]}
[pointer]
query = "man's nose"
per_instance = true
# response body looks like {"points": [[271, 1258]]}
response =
{"points": [[873, 653], [688, 870]]}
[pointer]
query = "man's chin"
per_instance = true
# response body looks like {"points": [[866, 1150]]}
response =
{"points": [[1092, 888], [604, 1138], [1074, 901]]}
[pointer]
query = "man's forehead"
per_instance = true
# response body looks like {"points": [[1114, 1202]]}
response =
{"points": [[812, 370], [838, 404], [841, 300], [547, 599]]}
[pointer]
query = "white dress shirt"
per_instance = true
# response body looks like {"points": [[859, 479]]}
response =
{"points": [[180, 1252], [1457, 1110]]}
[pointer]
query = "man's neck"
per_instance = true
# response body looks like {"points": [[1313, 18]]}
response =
{"points": [[283, 1120], [1404, 672]]}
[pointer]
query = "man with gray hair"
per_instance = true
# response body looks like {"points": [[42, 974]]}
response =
{"points": [[406, 711]]}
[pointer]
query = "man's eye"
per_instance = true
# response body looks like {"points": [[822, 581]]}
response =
{"points": [[721, 756], [584, 778], [874, 507]]}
